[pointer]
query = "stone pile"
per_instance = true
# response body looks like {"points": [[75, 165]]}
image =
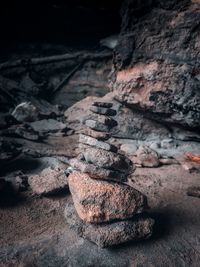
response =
{"points": [[109, 211]]}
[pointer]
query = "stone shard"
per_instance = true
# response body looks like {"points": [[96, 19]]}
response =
{"points": [[107, 159], [105, 235], [49, 182], [87, 140], [103, 111], [102, 104], [98, 173], [100, 201], [98, 135]]}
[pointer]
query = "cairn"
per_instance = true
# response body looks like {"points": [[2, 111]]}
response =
{"points": [[109, 211]]}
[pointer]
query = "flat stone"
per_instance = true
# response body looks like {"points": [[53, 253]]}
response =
{"points": [[99, 201], [87, 140], [96, 125], [98, 135], [106, 235], [103, 111], [107, 159], [106, 121], [48, 182], [96, 172], [129, 149], [103, 104], [49, 125]]}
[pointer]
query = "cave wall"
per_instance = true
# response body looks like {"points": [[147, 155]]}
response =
{"points": [[157, 61]]}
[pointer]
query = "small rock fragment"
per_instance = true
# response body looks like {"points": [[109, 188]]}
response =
{"points": [[99, 201], [48, 182], [25, 112], [193, 191], [105, 235], [102, 104], [146, 157], [87, 140], [103, 111]]}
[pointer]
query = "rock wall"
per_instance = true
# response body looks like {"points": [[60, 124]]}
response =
{"points": [[157, 61]]}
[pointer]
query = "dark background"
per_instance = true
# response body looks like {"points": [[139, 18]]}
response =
{"points": [[58, 21]]}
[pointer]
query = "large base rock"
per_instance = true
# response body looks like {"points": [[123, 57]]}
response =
{"points": [[105, 235], [100, 201]]}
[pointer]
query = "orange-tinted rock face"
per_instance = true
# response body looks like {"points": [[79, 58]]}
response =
{"points": [[157, 62], [100, 201]]}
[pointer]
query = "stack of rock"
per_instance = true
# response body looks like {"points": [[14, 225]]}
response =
{"points": [[109, 211]]}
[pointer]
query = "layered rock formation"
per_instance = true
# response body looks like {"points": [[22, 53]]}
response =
{"points": [[109, 210], [157, 61]]}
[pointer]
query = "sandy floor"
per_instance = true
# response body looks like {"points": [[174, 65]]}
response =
{"points": [[33, 231]]}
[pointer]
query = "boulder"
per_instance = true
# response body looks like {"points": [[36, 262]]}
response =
{"points": [[100, 201], [105, 235]]}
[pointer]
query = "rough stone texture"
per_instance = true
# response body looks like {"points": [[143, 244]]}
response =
{"points": [[100, 201], [96, 125], [98, 135], [103, 111], [103, 104], [132, 125], [146, 157], [193, 191], [96, 172], [107, 159], [25, 112], [105, 235], [48, 182], [159, 73], [87, 140]]}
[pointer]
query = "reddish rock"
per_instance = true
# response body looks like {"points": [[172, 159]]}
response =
{"points": [[99, 201], [105, 235]]}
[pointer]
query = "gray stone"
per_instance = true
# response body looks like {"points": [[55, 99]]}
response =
{"points": [[98, 173], [96, 125], [25, 112], [49, 125], [98, 135], [107, 159], [128, 149], [102, 104], [146, 157], [103, 111], [94, 142], [105, 235]]}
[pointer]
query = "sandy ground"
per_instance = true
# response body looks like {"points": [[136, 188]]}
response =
{"points": [[33, 230]]}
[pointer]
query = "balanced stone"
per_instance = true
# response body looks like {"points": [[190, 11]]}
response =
{"points": [[96, 172], [99, 201], [103, 111], [107, 159], [87, 140], [96, 125], [103, 104], [95, 134], [109, 234]]}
